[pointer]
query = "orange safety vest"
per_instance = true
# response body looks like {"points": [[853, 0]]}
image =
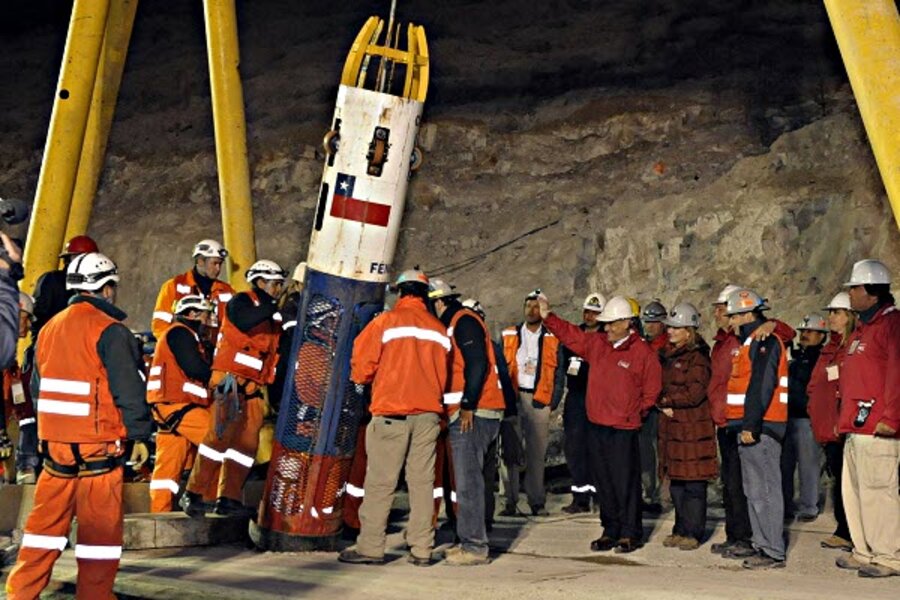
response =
{"points": [[177, 288], [492, 392], [167, 382], [548, 359], [75, 404], [741, 369], [252, 355]]}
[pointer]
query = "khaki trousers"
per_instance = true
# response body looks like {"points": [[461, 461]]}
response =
{"points": [[871, 500], [391, 444]]}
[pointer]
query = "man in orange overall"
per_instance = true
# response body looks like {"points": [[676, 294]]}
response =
{"points": [[90, 400], [177, 391], [245, 361]]}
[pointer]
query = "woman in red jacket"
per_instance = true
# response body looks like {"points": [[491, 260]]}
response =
{"points": [[825, 406], [687, 434]]}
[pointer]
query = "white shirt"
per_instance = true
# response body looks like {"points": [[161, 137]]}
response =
{"points": [[527, 357]]}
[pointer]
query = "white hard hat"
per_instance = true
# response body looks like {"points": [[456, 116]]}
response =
{"points": [[299, 274], [683, 315], [26, 303], [723, 295], [616, 309], [265, 269], [813, 322], [654, 312], [841, 300], [90, 272], [209, 249], [411, 276], [869, 272], [475, 305], [192, 302], [438, 288], [595, 302], [744, 301]]}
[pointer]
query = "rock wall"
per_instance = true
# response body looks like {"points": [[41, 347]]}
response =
{"points": [[657, 149]]}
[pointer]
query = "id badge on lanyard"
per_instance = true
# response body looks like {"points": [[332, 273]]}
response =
{"points": [[18, 392]]}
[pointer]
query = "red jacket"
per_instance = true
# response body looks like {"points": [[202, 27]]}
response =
{"points": [[824, 398], [724, 350], [872, 372], [404, 353], [624, 381], [659, 343]]}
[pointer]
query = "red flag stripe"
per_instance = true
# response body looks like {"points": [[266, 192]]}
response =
{"points": [[352, 209]]}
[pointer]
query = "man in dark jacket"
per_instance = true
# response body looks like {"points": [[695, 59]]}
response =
{"points": [[800, 447], [9, 301], [757, 407], [575, 423], [50, 293]]}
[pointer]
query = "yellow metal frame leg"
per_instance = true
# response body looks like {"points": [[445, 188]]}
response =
{"points": [[868, 34], [65, 138], [231, 138], [119, 25]]}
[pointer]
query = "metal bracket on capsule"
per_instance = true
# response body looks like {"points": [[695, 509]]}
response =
{"points": [[378, 151]]}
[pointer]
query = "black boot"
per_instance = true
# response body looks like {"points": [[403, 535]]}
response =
{"points": [[227, 507], [193, 505]]}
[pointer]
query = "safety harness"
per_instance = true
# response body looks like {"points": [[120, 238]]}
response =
{"points": [[81, 468]]}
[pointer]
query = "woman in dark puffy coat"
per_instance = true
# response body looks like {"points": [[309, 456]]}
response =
{"points": [[687, 435]]}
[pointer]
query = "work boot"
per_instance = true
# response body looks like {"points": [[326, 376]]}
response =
{"points": [[418, 561], [227, 507], [355, 558], [836, 542], [577, 507], [721, 547], [740, 550], [538, 510], [849, 562], [603, 544], [807, 518], [689, 543], [510, 510], [628, 545], [464, 558], [672, 541], [762, 561], [873, 570], [194, 506]]}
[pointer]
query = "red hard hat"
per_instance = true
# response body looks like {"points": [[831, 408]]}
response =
{"points": [[80, 244]]}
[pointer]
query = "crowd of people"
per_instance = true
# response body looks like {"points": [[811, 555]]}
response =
{"points": [[651, 413]]}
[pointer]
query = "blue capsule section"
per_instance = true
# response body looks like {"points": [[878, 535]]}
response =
{"points": [[321, 408]]}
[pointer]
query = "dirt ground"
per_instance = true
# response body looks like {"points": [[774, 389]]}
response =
{"points": [[533, 558]]}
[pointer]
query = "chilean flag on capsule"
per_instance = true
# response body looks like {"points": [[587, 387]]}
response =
{"points": [[345, 206]]}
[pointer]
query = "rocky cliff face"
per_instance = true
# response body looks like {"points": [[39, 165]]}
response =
{"points": [[656, 149]]}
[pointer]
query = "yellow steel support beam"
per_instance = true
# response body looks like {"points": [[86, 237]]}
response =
{"points": [[868, 34], [231, 137], [119, 24], [64, 138]]}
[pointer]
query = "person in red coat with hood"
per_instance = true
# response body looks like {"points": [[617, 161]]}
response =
{"points": [[825, 405], [624, 382]]}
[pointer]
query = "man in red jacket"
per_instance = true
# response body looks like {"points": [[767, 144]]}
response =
{"points": [[624, 382], [738, 531], [870, 416], [403, 353]]}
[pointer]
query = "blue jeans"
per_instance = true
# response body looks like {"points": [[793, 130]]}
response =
{"points": [[800, 451], [468, 450], [761, 467], [27, 448]]}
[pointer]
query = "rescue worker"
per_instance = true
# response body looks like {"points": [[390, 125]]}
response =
{"points": [[178, 394], [202, 279], [653, 318], [870, 418], [825, 405], [290, 304], [90, 401], [18, 402], [245, 360], [532, 354], [575, 423], [403, 353], [51, 295], [727, 346], [624, 383], [800, 451], [473, 400], [10, 273], [757, 407], [687, 435]]}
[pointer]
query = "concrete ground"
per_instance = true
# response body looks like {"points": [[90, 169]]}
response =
{"points": [[533, 558]]}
